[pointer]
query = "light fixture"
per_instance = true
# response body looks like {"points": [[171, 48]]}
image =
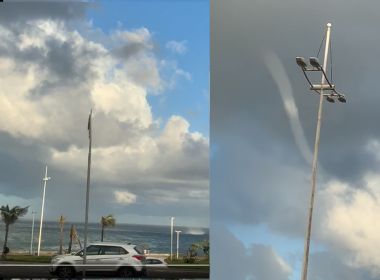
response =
{"points": [[342, 98], [330, 99], [301, 62], [314, 62]]}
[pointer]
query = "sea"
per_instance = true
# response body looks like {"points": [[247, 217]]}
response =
{"points": [[154, 238]]}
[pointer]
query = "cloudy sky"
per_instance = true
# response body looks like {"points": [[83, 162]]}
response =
{"points": [[263, 120], [143, 67]]}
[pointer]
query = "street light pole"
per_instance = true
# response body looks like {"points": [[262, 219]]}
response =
{"points": [[315, 161], [178, 232], [31, 239], [171, 237], [87, 192], [45, 179]]}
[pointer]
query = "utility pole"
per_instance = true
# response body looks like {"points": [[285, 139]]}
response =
{"points": [[171, 237], [178, 232], [45, 179], [31, 239], [87, 193], [315, 160]]}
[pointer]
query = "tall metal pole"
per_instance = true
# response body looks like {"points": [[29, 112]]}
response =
{"points": [[45, 179], [171, 237], [178, 232], [87, 192], [31, 239], [315, 161]]}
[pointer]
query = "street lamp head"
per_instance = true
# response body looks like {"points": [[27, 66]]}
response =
{"points": [[301, 62], [330, 99], [314, 62], [342, 98]]}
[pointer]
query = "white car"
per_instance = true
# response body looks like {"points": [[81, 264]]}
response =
{"points": [[155, 262], [123, 259]]}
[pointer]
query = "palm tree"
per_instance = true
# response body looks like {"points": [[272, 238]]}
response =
{"points": [[73, 235], [61, 222], [107, 221], [10, 216]]}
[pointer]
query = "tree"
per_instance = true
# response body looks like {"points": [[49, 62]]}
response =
{"points": [[205, 244], [73, 235], [107, 221], [10, 216], [61, 223]]}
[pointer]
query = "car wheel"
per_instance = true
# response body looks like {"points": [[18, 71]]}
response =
{"points": [[65, 272], [126, 272]]}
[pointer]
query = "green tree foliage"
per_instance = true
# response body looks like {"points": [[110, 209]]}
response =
{"points": [[107, 221], [10, 216]]}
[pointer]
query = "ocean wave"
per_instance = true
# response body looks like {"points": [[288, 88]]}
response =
{"points": [[195, 231]]}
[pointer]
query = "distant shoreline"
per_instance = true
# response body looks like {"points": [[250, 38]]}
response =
{"points": [[97, 223]]}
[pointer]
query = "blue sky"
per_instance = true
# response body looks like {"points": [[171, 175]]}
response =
{"points": [[181, 21]]}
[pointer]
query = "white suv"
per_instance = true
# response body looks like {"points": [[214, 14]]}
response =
{"points": [[124, 259]]}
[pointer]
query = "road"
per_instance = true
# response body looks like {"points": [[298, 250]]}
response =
{"points": [[42, 271]]}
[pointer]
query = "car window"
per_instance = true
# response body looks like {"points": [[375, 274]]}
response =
{"points": [[138, 250], [113, 250], [93, 250], [157, 262]]}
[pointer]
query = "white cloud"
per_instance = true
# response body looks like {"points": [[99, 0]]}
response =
{"points": [[125, 197], [140, 35], [350, 221], [173, 73], [177, 47], [51, 75]]}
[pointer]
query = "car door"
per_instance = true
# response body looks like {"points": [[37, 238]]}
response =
{"points": [[93, 258], [113, 256]]}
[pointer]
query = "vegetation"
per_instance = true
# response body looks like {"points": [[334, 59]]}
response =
{"points": [[61, 224], [107, 221], [184, 260], [10, 216], [73, 236], [192, 252], [29, 258], [192, 256]]}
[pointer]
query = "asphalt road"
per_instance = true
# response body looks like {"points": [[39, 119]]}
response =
{"points": [[42, 271]]}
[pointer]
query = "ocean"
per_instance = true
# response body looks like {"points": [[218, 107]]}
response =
{"points": [[155, 238]]}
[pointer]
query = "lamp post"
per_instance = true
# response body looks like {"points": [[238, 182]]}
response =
{"points": [[31, 239], [330, 96], [178, 232], [45, 179], [171, 237], [89, 127]]}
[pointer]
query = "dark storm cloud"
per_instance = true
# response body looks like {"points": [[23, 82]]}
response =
{"points": [[21, 11], [246, 105], [242, 85], [21, 167], [257, 184], [258, 175]]}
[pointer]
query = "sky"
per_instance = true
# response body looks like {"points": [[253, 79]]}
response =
{"points": [[263, 121], [143, 68]]}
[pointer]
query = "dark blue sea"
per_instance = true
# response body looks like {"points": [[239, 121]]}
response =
{"points": [[155, 238]]}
